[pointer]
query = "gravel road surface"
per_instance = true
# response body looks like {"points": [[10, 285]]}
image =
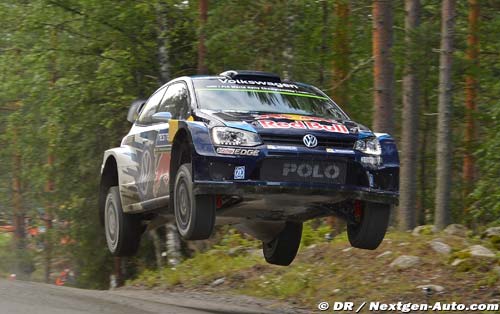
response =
{"points": [[18, 297]]}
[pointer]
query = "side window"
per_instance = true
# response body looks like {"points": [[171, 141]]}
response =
{"points": [[150, 107], [176, 101]]}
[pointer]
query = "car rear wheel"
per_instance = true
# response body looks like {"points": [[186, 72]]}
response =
{"points": [[369, 226], [194, 214], [123, 231], [283, 249]]}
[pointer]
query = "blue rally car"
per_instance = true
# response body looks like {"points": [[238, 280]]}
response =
{"points": [[247, 149]]}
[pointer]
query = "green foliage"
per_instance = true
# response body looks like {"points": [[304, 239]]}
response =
{"points": [[14, 261], [233, 239], [311, 235], [200, 270], [6, 255], [486, 207]]}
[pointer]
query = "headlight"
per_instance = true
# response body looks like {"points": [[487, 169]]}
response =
{"points": [[234, 137], [368, 146]]}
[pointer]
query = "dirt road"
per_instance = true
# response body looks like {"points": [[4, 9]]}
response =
{"points": [[17, 297]]}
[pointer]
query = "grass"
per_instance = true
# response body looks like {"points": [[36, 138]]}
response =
{"points": [[335, 272]]}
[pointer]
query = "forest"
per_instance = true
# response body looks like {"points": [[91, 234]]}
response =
{"points": [[425, 71]]}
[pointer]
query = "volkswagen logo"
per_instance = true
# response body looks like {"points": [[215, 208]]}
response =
{"points": [[310, 140]]}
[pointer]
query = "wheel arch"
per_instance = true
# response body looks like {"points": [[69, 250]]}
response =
{"points": [[182, 152], [109, 178]]}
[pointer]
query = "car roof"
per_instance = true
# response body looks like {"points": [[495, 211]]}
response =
{"points": [[212, 77]]}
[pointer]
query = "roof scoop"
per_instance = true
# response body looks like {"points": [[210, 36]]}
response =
{"points": [[251, 75]]}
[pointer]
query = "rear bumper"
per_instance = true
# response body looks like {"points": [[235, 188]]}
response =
{"points": [[263, 189]]}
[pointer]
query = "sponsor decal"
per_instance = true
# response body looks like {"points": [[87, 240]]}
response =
{"points": [[371, 160], [310, 125], [289, 116], [239, 173], [237, 151], [271, 124], [259, 83], [282, 147], [162, 175], [311, 171], [339, 151], [259, 89], [162, 142]]}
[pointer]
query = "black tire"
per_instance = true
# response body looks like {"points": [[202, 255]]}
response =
{"points": [[369, 230], [283, 249], [194, 214], [123, 231]]}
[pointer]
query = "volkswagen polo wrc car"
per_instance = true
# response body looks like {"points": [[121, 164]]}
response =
{"points": [[248, 149]]}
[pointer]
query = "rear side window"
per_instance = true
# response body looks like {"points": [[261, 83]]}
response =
{"points": [[150, 107], [176, 101]]}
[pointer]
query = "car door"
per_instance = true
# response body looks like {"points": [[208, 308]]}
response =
{"points": [[176, 101], [144, 134]]}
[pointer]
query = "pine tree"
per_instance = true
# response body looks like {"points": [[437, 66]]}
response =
{"points": [[202, 49], [443, 151], [409, 137], [341, 43], [383, 115], [471, 88]]}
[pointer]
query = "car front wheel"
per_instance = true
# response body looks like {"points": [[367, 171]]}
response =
{"points": [[194, 214], [283, 249], [369, 226], [123, 231]]}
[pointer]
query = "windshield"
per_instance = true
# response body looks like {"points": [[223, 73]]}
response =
{"points": [[262, 96]]}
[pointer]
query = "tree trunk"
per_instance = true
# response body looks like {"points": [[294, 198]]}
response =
{"points": [[423, 152], [49, 190], [17, 206], [118, 272], [409, 139], [383, 116], [50, 186], [163, 44], [443, 167], [17, 198], [49, 205], [341, 65], [471, 87], [173, 244], [202, 50], [157, 243], [288, 49], [324, 39]]}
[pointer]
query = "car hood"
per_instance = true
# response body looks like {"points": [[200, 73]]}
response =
{"points": [[293, 124]]}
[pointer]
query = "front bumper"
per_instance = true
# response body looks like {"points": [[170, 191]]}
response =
{"points": [[326, 176], [263, 189]]}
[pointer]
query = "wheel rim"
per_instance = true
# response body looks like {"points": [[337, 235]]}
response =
{"points": [[112, 225], [183, 202], [144, 172]]}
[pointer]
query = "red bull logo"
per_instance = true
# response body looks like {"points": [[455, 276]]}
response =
{"points": [[306, 125]]}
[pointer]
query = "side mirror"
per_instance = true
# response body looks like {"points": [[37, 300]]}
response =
{"points": [[135, 109], [162, 117]]}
